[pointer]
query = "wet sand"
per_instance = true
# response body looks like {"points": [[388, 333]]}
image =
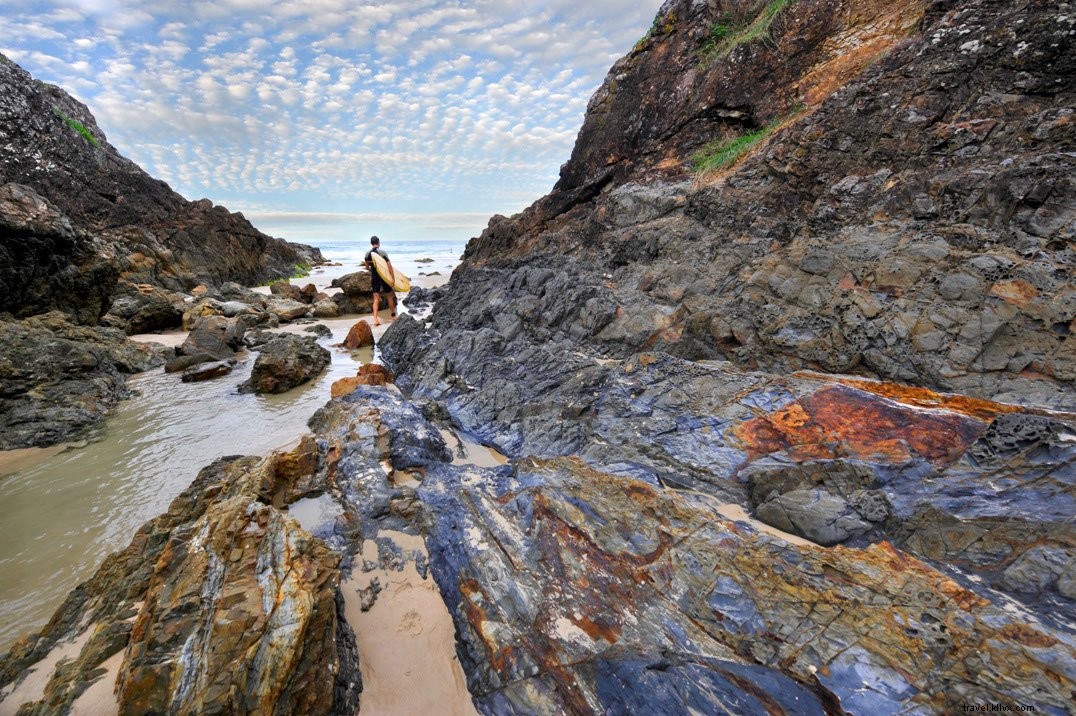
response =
{"points": [[12, 461], [406, 640], [32, 688]]}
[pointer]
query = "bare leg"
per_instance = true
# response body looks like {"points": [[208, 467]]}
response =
{"points": [[392, 305], [377, 296]]}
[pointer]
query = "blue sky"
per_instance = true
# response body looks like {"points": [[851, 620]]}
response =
{"points": [[326, 119]]}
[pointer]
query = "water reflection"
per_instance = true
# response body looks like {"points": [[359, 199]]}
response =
{"points": [[60, 517]]}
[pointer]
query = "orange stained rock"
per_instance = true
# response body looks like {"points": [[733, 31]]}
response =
{"points": [[839, 421], [977, 408], [1017, 292]]}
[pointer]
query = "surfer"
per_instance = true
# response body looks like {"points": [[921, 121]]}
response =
{"points": [[377, 283]]}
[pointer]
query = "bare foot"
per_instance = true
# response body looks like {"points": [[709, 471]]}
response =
{"points": [[377, 323]]}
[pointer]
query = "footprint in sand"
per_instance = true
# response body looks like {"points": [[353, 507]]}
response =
{"points": [[410, 623]]}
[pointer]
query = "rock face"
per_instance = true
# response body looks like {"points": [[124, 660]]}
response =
{"points": [[284, 362], [915, 225]]}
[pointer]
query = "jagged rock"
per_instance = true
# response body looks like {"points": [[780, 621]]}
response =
{"points": [[419, 298], [58, 379], [207, 371], [201, 308], [640, 569], [308, 293], [229, 574], [360, 336], [285, 362], [168, 241], [230, 309]]}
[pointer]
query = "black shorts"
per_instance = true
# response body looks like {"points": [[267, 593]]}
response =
{"points": [[378, 285]]}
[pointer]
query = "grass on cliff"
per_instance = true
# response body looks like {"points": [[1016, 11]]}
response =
{"points": [[78, 127], [726, 34], [723, 153]]}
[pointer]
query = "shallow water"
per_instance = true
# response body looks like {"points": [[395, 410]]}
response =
{"points": [[62, 515]]}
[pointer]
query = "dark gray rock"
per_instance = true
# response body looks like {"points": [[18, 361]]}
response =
{"points": [[319, 329], [183, 362], [216, 336], [207, 371], [285, 362], [144, 309], [57, 379], [821, 517]]}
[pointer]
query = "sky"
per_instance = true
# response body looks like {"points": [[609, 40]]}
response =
{"points": [[333, 119]]}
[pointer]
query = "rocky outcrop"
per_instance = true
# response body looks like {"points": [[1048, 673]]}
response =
{"points": [[224, 604], [359, 336], [58, 379], [284, 362]]}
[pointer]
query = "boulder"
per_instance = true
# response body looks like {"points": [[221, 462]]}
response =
{"points": [[360, 336], [369, 374], [308, 293], [351, 304], [286, 309], [207, 371], [357, 283], [326, 309], [206, 306], [231, 309], [284, 289], [816, 514], [319, 329], [284, 362], [144, 308], [214, 335]]}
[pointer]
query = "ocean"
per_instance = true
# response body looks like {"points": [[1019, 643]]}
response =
{"points": [[412, 257]]}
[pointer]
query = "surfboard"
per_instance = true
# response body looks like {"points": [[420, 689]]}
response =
{"points": [[401, 284]]}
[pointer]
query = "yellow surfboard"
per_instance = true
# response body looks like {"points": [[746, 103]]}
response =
{"points": [[401, 284]]}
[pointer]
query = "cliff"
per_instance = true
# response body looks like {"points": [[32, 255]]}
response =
{"points": [[62, 163]]}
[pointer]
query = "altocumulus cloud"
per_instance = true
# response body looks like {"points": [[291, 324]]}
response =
{"points": [[322, 118]]}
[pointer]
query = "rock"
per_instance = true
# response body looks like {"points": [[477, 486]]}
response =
{"points": [[1038, 569], [201, 308], [308, 293], [284, 362], [325, 309], [229, 574], [319, 329], [285, 309], [230, 309], [285, 290], [46, 263], [349, 304], [215, 336], [182, 363], [144, 308], [353, 284], [207, 371], [369, 374], [360, 336], [815, 514], [58, 380]]}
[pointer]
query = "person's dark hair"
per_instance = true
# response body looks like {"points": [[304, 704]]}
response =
{"points": [[374, 241]]}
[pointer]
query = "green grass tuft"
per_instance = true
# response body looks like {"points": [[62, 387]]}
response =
{"points": [[78, 127], [300, 270], [726, 36]]}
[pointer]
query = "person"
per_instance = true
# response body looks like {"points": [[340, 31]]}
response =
{"points": [[378, 284]]}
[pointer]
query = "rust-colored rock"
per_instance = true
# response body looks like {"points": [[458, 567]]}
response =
{"points": [[843, 422], [360, 336], [369, 374]]}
